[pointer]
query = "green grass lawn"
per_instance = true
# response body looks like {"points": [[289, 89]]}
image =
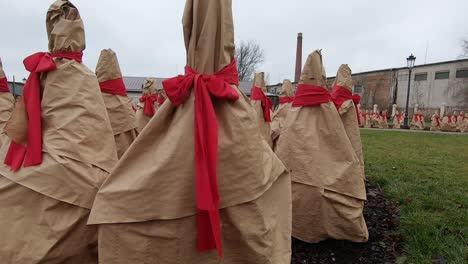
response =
{"points": [[427, 174]]}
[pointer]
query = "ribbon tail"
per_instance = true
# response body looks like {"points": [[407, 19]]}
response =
{"points": [[206, 159], [15, 156], [209, 225]]}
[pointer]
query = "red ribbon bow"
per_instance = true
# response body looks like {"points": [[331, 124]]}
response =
{"points": [[148, 101], [310, 95], [38, 63], [115, 87], [267, 104], [206, 142], [286, 99], [4, 85], [340, 94], [449, 119]]}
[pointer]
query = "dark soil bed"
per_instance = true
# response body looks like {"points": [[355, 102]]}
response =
{"points": [[384, 245]]}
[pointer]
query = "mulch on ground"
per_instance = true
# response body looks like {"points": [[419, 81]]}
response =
{"points": [[384, 246]]}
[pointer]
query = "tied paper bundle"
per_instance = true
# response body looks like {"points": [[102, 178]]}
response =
{"points": [[118, 104], [447, 124], [435, 121], [328, 189], [347, 106], [262, 105], [147, 104], [286, 98], [398, 120], [55, 180], [164, 199], [6, 103], [418, 122]]}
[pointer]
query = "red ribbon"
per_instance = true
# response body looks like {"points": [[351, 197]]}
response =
{"points": [[399, 117], [449, 119], [340, 95], [206, 142], [310, 95], [115, 87], [418, 117], [437, 118], [267, 104], [4, 85], [148, 101], [38, 63], [286, 99]]}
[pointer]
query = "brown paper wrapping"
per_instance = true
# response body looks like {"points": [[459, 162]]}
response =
{"points": [[434, 125], [328, 182], [6, 105], [265, 128], [368, 121], [149, 88], [78, 154], [446, 126], [45, 230], [119, 108], [279, 116], [348, 113], [460, 120], [252, 182], [397, 124], [417, 125], [464, 127]]}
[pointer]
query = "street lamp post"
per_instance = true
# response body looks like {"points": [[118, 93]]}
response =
{"points": [[410, 61]]}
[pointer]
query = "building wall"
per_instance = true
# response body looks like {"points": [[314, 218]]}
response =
{"points": [[386, 87], [374, 88], [429, 94]]}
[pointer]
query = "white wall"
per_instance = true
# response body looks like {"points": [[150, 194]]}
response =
{"points": [[432, 93]]}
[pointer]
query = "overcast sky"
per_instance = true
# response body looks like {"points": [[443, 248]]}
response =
{"points": [[147, 34]]}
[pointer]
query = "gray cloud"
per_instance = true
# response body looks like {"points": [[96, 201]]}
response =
{"points": [[147, 34]]}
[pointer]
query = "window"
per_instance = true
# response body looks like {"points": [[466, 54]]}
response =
{"points": [[462, 73], [357, 89], [420, 77], [442, 75]]}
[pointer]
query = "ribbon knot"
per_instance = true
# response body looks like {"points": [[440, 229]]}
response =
{"points": [[206, 142], [340, 94], [148, 101], [31, 154], [286, 99], [259, 95]]}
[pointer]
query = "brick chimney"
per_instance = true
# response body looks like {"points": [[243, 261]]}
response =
{"points": [[297, 75]]}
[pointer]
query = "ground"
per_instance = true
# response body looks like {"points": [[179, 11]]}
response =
{"points": [[425, 175]]}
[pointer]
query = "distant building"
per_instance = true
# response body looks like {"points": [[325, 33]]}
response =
{"points": [[16, 88], [134, 87], [431, 85]]}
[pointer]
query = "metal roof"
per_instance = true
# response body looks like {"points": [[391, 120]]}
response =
{"points": [[135, 84]]}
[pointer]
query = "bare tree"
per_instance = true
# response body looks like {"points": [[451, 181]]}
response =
{"points": [[465, 48], [248, 56]]}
